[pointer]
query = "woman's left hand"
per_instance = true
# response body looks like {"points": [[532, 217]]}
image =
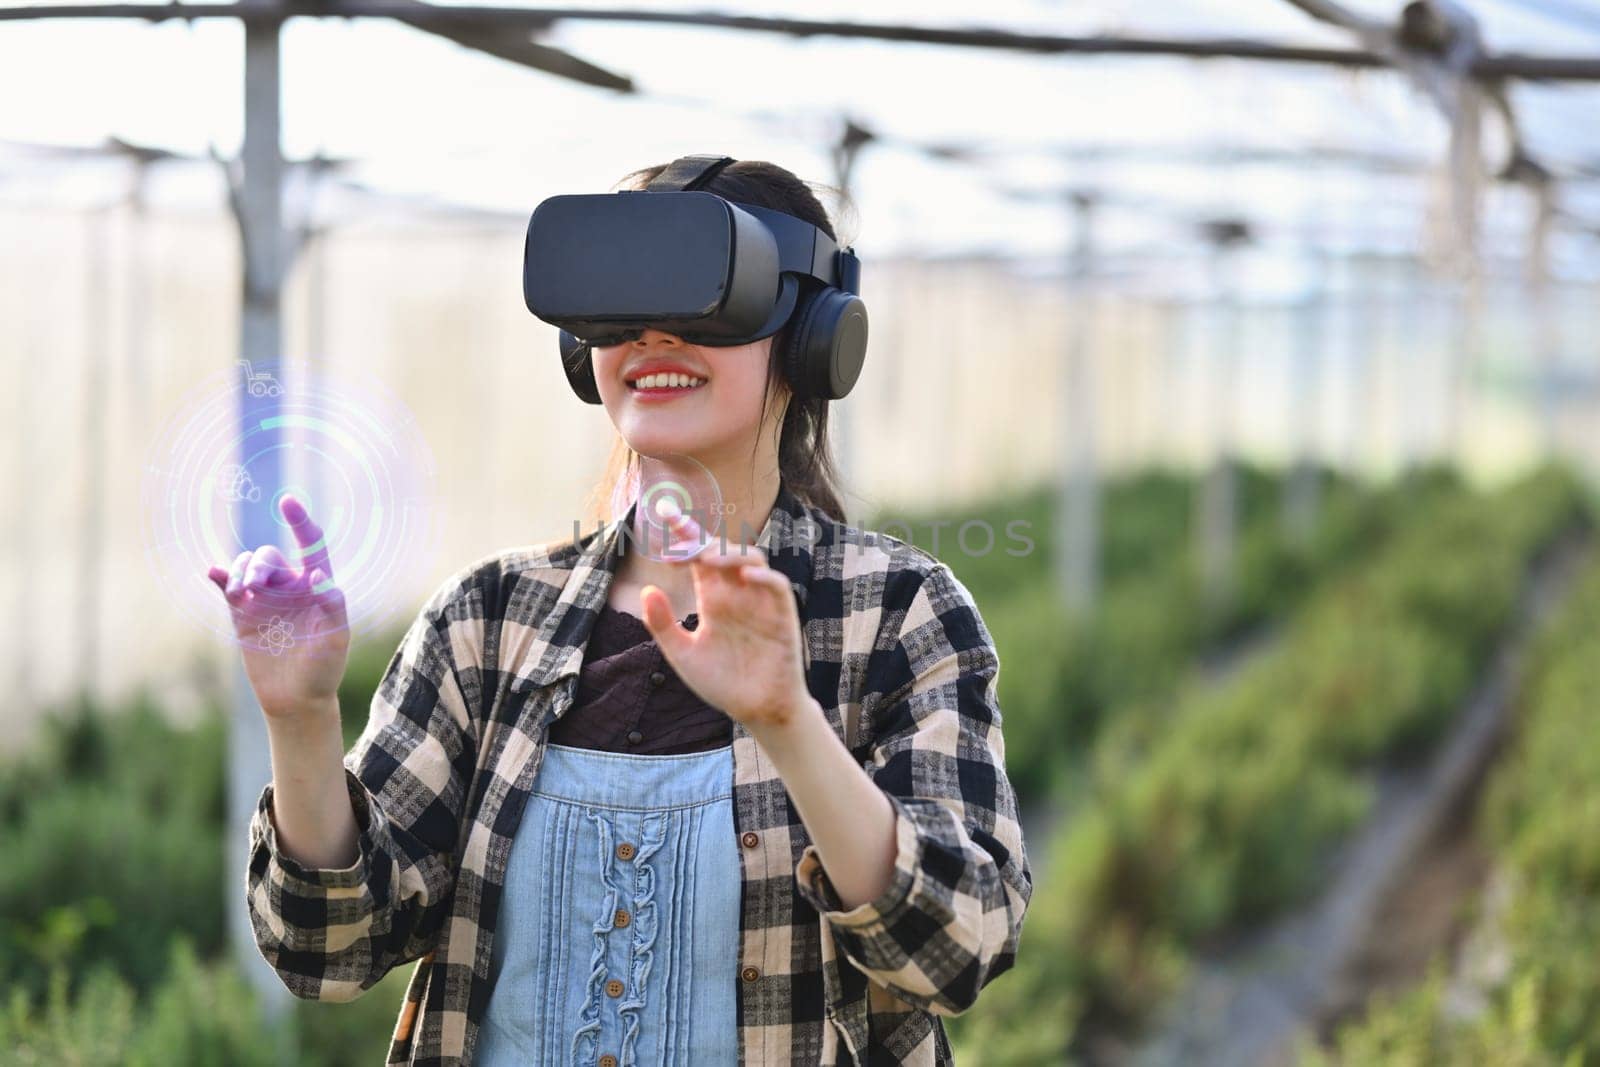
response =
{"points": [[745, 656]]}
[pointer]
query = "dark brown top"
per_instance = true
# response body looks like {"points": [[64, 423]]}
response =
{"points": [[630, 700]]}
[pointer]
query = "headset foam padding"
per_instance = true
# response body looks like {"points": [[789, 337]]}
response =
{"points": [[578, 363]]}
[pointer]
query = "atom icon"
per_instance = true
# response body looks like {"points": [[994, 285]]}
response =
{"points": [[277, 635]]}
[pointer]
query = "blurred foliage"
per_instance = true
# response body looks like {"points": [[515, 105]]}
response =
{"points": [[113, 948], [112, 833], [1225, 808], [200, 1014], [1153, 619], [1542, 814]]}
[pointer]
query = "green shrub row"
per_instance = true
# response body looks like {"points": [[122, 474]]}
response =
{"points": [[112, 948], [113, 830], [1153, 619], [112, 835], [1542, 817], [1210, 817], [199, 1014]]}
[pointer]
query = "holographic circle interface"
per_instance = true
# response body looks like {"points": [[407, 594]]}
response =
{"points": [[684, 481], [341, 443]]}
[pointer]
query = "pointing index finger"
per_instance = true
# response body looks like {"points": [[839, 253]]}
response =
{"points": [[726, 557], [307, 535]]}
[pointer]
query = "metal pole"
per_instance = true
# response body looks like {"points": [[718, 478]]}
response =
{"points": [[259, 204], [1302, 495], [138, 299], [27, 471], [843, 415], [1078, 554], [1413, 349], [1545, 327], [1217, 500], [97, 369], [1369, 310], [317, 362]]}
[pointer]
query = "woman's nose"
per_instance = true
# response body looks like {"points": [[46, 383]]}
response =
{"points": [[652, 336]]}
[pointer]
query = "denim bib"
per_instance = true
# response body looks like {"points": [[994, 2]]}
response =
{"points": [[618, 937]]}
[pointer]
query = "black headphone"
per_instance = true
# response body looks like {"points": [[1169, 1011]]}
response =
{"points": [[825, 338]]}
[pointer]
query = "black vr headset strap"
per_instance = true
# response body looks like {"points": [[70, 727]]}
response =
{"points": [[687, 173], [805, 249], [823, 355]]}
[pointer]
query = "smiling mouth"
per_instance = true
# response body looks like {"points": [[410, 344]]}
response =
{"points": [[666, 384]]}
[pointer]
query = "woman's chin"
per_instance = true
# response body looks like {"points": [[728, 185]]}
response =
{"points": [[658, 440]]}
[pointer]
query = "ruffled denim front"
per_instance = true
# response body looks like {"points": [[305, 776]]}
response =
{"points": [[619, 929]]}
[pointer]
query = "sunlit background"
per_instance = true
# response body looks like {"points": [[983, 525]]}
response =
{"points": [[1276, 319]]}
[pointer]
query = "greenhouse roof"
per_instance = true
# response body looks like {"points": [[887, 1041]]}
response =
{"points": [[973, 148]]}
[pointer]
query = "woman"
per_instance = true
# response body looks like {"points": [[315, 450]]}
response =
{"points": [[809, 856]]}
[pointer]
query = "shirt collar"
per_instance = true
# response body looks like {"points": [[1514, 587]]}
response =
{"points": [[787, 538]]}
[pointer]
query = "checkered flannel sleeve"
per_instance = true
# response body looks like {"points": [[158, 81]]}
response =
{"points": [[950, 920], [331, 934]]}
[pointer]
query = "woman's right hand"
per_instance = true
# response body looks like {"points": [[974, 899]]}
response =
{"points": [[291, 624]]}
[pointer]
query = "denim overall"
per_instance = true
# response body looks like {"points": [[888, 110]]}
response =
{"points": [[618, 936]]}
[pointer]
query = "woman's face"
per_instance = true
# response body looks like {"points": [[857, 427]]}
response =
{"points": [[715, 421]]}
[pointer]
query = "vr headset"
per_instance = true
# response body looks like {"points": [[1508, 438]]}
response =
{"points": [[604, 267]]}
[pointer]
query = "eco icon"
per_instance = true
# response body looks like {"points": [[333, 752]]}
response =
{"points": [[677, 484], [234, 483]]}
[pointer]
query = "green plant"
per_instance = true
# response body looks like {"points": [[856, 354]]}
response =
{"points": [[1219, 812], [1542, 814], [201, 1015]]}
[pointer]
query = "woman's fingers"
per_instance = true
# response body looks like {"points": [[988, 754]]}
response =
{"points": [[762, 575], [329, 600], [267, 568], [681, 529], [307, 534], [687, 529], [235, 587], [326, 593], [269, 577], [671, 638], [268, 574], [714, 569], [318, 583]]}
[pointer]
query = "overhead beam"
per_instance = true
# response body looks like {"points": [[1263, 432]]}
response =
{"points": [[1503, 65], [545, 17], [512, 44]]}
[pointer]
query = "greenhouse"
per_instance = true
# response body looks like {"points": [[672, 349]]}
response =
{"points": [[1178, 424]]}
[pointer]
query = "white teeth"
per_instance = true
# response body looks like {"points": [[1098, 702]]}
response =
{"points": [[667, 381]]}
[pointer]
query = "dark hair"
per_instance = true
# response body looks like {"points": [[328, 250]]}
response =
{"points": [[805, 457]]}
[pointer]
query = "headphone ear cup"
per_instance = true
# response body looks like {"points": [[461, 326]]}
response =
{"points": [[827, 344], [579, 367]]}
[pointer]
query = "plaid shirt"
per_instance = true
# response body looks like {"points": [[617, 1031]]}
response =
{"points": [[903, 666]]}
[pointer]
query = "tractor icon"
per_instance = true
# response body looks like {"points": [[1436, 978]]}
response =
{"points": [[262, 383]]}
